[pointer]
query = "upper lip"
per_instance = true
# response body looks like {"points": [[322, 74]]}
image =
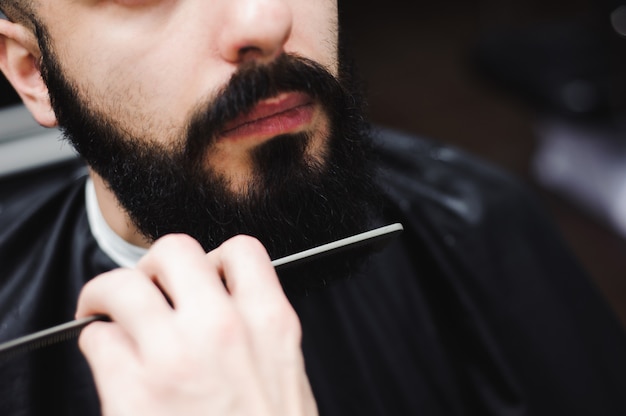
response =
{"points": [[269, 108]]}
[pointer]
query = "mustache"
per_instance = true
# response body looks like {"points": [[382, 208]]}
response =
{"points": [[253, 83]]}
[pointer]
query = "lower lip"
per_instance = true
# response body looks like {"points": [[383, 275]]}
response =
{"points": [[286, 122]]}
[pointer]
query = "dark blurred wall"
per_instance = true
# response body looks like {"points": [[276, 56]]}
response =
{"points": [[418, 59]]}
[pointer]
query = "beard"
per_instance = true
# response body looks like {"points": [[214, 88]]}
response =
{"points": [[294, 200]]}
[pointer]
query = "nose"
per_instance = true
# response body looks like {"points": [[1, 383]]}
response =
{"points": [[255, 30]]}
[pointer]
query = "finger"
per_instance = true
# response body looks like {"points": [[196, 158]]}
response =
{"points": [[178, 264], [246, 268], [111, 356], [254, 287], [272, 324], [131, 300], [105, 343]]}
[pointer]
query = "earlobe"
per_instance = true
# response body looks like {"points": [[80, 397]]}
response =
{"points": [[19, 53]]}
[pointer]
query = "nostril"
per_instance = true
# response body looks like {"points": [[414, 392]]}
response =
{"points": [[249, 53]]}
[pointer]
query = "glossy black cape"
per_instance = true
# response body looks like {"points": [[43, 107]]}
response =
{"points": [[477, 309]]}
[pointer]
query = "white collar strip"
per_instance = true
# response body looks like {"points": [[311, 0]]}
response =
{"points": [[119, 250]]}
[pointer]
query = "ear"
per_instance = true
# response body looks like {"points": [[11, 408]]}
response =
{"points": [[19, 55]]}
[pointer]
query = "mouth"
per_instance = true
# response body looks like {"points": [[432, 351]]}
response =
{"points": [[286, 113]]}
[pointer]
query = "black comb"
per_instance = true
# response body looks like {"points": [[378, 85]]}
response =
{"points": [[379, 236]]}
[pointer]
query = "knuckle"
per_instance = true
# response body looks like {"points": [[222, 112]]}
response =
{"points": [[174, 242], [168, 248], [94, 337], [292, 327], [228, 330], [95, 289], [88, 339], [280, 320], [243, 243], [173, 359], [173, 342], [225, 328]]}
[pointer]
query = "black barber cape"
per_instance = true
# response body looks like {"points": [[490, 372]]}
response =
{"points": [[477, 309]]}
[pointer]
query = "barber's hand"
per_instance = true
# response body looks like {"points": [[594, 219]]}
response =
{"points": [[216, 350]]}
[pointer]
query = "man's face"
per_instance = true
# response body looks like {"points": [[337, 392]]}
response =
{"points": [[148, 64], [201, 125]]}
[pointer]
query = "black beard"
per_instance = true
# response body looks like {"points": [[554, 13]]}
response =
{"points": [[293, 202]]}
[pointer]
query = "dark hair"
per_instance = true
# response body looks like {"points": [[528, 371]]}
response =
{"points": [[19, 11]]}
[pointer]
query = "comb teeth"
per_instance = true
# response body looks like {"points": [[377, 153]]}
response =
{"points": [[14, 351], [46, 337]]}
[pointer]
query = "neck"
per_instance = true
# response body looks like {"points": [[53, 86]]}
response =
{"points": [[115, 216]]}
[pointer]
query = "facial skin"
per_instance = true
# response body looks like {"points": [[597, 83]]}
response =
{"points": [[134, 84], [164, 57]]}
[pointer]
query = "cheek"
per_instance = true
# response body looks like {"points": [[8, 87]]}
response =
{"points": [[132, 81], [315, 32], [133, 92]]}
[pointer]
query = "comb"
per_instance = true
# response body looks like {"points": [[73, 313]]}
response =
{"points": [[379, 236]]}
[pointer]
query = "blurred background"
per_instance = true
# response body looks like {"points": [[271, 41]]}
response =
{"points": [[537, 87]]}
